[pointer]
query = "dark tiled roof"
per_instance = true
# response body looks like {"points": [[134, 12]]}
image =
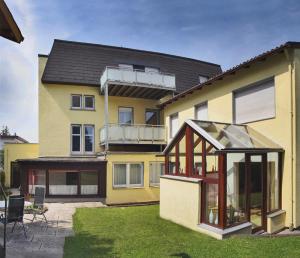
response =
{"points": [[233, 70], [83, 63]]}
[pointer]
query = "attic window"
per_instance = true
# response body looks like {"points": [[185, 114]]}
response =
{"points": [[202, 78]]}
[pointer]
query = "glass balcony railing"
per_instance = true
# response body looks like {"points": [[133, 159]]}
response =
{"points": [[137, 77], [134, 134]]}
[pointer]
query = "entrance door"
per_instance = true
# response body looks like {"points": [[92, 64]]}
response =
{"points": [[257, 198]]}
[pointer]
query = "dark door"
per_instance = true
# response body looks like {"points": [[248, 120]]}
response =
{"points": [[15, 176], [256, 191]]}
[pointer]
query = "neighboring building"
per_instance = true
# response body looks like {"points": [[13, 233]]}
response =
{"points": [[4, 139], [235, 166], [8, 27], [100, 130], [13, 152]]}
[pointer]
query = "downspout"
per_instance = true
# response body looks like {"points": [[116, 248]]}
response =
{"points": [[106, 116], [291, 65]]}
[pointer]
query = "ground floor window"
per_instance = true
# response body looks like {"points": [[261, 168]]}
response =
{"points": [[273, 179], [36, 178], [156, 169], [89, 182], [128, 175], [73, 182], [236, 190], [211, 204]]}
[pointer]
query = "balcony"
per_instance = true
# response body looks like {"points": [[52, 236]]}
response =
{"points": [[136, 83], [132, 134]]}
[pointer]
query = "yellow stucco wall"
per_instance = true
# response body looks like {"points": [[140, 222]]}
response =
{"points": [[56, 115], [14, 151], [279, 129], [180, 202], [146, 193]]}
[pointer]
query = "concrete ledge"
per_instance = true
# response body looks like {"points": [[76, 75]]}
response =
{"points": [[182, 178], [242, 229], [275, 221]]}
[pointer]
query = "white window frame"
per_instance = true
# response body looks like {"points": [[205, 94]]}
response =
{"points": [[199, 106], [76, 95], [89, 96], [162, 172], [93, 150], [170, 124], [128, 185], [76, 125], [132, 115]]}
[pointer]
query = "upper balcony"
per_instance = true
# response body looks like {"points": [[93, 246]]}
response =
{"points": [[137, 83], [132, 134]]}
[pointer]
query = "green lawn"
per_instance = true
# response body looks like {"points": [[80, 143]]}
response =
{"points": [[139, 232]]}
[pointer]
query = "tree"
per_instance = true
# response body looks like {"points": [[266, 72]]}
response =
{"points": [[5, 131]]}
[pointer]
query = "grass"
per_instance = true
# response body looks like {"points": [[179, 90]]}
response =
{"points": [[140, 232]]}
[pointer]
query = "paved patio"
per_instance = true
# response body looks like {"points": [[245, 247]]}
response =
{"points": [[44, 240]]}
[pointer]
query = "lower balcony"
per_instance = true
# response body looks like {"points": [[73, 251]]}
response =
{"points": [[132, 134]]}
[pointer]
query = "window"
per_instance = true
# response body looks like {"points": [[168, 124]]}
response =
{"points": [[89, 138], [273, 179], [76, 138], [152, 117], [255, 102], [125, 115], [89, 102], [76, 101], [211, 203], [151, 70], [128, 175], [126, 66], [156, 170], [202, 78], [173, 125], [201, 112]]}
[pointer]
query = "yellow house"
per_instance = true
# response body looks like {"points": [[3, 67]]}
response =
{"points": [[100, 130], [233, 166]]}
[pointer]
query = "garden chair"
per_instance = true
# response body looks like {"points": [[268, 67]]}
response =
{"points": [[15, 212], [38, 208]]}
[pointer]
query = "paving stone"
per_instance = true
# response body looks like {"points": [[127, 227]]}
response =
{"points": [[44, 240]]}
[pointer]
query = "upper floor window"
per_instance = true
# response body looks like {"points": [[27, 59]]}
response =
{"points": [[202, 78], [254, 103], [152, 117], [76, 101], [174, 124], [126, 66], [89, 138], [76, 138], [89, 102], [125, 115], [151, 70], [201, 111], [82, 135]]}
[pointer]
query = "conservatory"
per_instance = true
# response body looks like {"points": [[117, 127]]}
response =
{"points": [[238, 174]]}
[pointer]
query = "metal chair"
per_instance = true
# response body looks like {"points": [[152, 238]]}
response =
{"points": [[15, 212], [38, 204]]}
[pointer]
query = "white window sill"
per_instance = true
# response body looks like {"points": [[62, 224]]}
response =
{"points": [[127, 187]]}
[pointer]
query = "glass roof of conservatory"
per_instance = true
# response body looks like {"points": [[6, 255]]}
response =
{"points": [[231, 136]]}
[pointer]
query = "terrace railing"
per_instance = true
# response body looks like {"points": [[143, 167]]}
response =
{"points": [[137, 134]]}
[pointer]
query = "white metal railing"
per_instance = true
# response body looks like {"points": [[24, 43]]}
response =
{"points": [[118, 133], [131, 76]]}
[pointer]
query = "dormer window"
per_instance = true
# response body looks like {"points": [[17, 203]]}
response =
{"points": [[202, 78]]}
